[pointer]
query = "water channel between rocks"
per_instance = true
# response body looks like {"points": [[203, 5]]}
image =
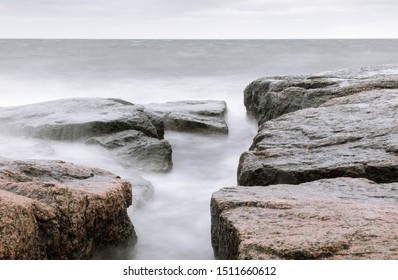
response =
{"points": [[178, 218]]}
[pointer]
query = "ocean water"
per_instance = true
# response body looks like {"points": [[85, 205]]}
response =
{"points": [[172, 219]]}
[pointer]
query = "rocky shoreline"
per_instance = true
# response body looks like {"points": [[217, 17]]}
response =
{"points": [[320, 180], [58, 210], [335, 126]]}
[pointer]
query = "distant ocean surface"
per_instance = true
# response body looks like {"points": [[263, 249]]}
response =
{"points": [[175, 222], [35, 70]]}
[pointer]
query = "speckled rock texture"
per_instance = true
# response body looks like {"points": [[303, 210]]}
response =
{"points": [[58, 210], [341, 218], [353, 136], [329, 125]]}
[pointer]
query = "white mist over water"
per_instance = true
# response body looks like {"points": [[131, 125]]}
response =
{"points": [[172, 220], [175, 222]]}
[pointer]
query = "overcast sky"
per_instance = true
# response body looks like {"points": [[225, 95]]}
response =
{"points": [[189, 19]]}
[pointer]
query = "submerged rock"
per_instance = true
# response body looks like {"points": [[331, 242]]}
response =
{"points": [[95, 120], [192, 116], [58, 210], [340, 218]]}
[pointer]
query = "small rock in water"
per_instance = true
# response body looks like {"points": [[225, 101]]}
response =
{"points": [[192, 116], [135, 149]]}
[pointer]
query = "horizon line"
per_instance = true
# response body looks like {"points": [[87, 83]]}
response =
{"points": [[188, 39]]}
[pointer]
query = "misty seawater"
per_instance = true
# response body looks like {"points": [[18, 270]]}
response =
{"points": [[171, 214]]}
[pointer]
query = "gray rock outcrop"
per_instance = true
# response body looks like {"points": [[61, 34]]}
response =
{"points": [[271, 97], [340, 218], [322, 170], [95, 120], [355, 136], [58, 210], [205, 116]]}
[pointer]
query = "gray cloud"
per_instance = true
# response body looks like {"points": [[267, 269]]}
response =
{"points": [[198, 18]]}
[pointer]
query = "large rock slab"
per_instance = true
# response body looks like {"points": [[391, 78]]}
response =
{"points": [[58, 210], [353, 136], [81, 119], [271, 97], [206, 116], [78, 118], [340, 218]]}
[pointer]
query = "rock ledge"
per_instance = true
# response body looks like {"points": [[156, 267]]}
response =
{"points": [[58, 210], [340, 218]]}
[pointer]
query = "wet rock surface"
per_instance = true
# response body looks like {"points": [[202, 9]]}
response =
{"points": [[134, 149], [323, 126], [341, 218], [269, 98], [76, 119], [58, 210], [323, 170], [133, 133], [354, 136], [192, 116], [95, 120]]}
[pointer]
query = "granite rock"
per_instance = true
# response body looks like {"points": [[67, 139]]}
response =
{"points": [[352, 136], [58, 210], [341, 218], [271, 97]]}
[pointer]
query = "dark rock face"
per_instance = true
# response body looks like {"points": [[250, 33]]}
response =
{"points": [[354, 135], [192, 116], [57, 210], [269, 98], [85, 118], [135, 149], [341, 218]]}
